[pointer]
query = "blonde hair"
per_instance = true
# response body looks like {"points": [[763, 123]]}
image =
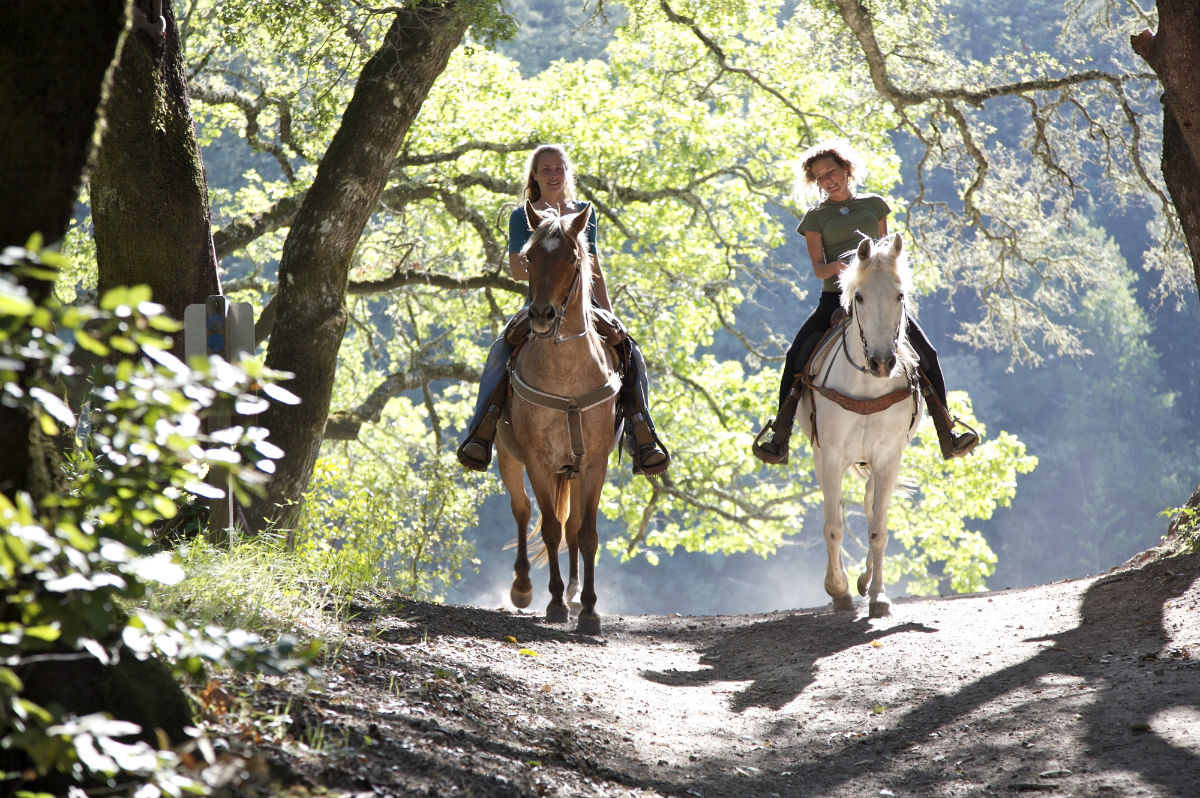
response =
{"points": [[839, 150], [531, 190]]}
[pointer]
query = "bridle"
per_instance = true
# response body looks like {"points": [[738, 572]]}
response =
{"points": [[862, 337], [561, 311]]}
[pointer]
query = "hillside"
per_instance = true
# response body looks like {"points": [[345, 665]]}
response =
{"points": [[1088, 687]]}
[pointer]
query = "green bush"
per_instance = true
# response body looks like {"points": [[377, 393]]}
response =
{"points": [[73, 557]]}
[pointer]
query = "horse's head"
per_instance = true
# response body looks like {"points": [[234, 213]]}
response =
{"points": [[558, 258], [875, 288]]}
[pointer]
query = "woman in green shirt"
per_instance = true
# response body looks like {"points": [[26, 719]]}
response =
{"points": [[832, 230]]}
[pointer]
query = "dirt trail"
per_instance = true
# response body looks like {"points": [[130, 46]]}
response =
{"points": [[1080, 688]]}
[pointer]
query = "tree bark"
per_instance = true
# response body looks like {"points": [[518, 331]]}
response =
{"points": [[149, 194], [1174, 54], [54, 61], [315, 263], [54, 56]]}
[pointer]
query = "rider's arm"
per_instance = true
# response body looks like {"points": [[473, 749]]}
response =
{"points": [[518, 266], [816, 253], [599, 287]]}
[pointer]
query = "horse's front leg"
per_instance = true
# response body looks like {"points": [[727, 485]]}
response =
{"points": [[589, 619], [547, 492], [829, 475], [880, 488], [512, 474]]}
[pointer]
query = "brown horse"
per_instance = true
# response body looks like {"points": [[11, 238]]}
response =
{"points": [[560, 427]]}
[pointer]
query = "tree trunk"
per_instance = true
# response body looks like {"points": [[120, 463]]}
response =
{"points": [[1174, 54], [315, 264], [54, 59], [149, 194], [54, 56]]}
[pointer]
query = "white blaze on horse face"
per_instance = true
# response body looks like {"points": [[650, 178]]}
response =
{"points": [[550, 244], [880, 313]]}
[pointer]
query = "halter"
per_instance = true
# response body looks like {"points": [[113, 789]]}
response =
{"points": [[863, 338], [562, 309]]}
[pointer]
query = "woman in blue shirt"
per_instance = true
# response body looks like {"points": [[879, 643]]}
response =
{"points": [[832, 231], [550, 183]]}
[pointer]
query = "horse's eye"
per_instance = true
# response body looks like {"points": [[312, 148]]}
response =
{"points": [[858, 298], [900, 297]]}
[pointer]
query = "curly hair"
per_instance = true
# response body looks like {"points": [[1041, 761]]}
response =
{"points": [[841, 151]]}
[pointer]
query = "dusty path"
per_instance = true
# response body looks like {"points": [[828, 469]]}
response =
{"points": [[1080, 688]]}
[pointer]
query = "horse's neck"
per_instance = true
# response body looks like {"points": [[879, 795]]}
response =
{"points": [[567, 366]]}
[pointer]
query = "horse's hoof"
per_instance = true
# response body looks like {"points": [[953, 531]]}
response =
{"points": [[843, 603], [520, 598], [863, 581], [880, 609], [588, 625], [557, 613], [575, 607]]}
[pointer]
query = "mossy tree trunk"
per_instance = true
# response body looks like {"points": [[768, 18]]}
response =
{"points": [[315, 265], [149, 195]]}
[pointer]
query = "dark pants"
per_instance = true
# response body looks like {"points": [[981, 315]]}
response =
{"points": [[819, 321]]}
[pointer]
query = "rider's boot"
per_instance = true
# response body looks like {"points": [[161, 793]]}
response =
{"points": [[953, 444], [475, 452], [774, 449], [650, 456]]}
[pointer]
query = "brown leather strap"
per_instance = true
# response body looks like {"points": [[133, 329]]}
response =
{"points": [[865, 407], [573, 406]]}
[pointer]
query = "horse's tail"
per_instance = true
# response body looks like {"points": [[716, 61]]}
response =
{"points": [[905, 487], [562, 498]]}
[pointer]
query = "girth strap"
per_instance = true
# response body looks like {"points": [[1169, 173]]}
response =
{"points": [[573, 406], [865, 407]]}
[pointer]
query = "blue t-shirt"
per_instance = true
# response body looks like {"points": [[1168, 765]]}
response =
{"points": [[519, 232]]}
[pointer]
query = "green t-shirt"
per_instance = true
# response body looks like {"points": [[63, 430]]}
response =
{"points": [[840, 225]]}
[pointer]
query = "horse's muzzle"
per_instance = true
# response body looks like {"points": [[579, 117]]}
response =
{"points": [[881, 367], [541, 319]]}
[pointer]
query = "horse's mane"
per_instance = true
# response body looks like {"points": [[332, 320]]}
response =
{"points": [[552, 224]]}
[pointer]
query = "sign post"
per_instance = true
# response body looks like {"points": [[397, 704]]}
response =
{"points": [[225, 329]]}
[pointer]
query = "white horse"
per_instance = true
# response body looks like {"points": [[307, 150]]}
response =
{"points": [[862, 408]]}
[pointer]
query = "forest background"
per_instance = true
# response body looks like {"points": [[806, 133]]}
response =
{"points": [[348, 171], [1056, 327]]}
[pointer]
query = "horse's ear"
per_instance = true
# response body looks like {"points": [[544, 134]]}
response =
{"points": [[897, 245], [864, 249], [532, 217], [580, 221]]}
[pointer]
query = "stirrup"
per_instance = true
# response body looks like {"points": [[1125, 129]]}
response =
{"points": [[652, 446], [962, 444], [475, 454], [778, 457]]}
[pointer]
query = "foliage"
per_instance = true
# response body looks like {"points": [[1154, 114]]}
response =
{"points": [[370, 519], [69, 565], [941, 555], [689, 165]]}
